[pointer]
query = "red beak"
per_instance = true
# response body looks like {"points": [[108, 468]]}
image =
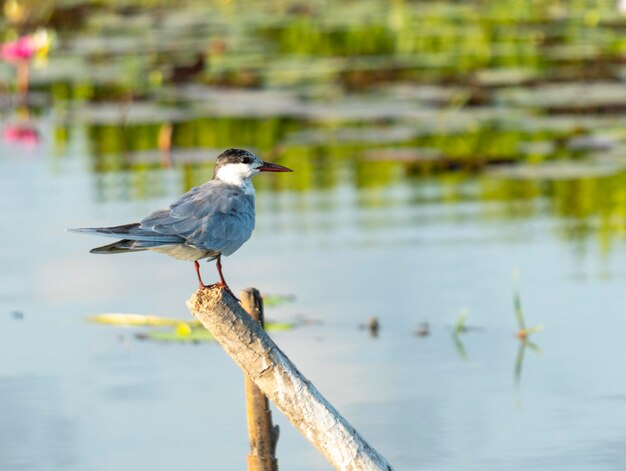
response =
{"points": [[270, 167]]}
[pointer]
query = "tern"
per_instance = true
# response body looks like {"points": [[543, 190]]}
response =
{"points": [[208, 221]]}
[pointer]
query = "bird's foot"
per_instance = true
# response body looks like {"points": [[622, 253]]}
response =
{"points": [[222, 285]]}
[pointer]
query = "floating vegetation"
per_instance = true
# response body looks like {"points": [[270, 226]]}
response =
{"points": [[180, 335], [185, 330], [136, 320], [523, 332], [558, 170], [365, 90], [519, 359], [273, 300], [186, 333], [460, 326]]}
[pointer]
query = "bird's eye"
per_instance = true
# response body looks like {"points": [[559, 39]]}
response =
{"points": [[247, 160]]}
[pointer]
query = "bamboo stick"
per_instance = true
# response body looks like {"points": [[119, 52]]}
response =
{"points": [[262, 434], [270, 369]]}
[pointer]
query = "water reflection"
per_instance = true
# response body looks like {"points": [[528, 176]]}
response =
{"points": [[586, 202], [378, 102], [519, 359], [585, 197], [21, 130], [460, 348]]}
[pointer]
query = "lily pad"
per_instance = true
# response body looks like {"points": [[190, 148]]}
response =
{"points": [[183, 333], [134, 320], [273, 300], [194, 336]]}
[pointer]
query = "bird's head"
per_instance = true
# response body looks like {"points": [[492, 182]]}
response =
{"points": [[236, 165]]}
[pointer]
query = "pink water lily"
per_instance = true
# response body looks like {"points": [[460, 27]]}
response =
{"points": [[22, 49], [21, 133]]}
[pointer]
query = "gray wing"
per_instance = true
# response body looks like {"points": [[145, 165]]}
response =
{"points": [[215, 216]]}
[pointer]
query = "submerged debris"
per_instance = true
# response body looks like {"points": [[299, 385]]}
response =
{"points": [[372, 326], [423, 329]]}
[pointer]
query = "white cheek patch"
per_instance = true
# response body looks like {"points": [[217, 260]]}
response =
{"points": [[234, 173], [239, 175]]}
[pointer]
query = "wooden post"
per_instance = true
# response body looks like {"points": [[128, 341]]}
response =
{"points": [[268, 367], [262, 434]]}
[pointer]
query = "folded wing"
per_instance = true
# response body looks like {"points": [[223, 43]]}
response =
{"points": [[216, 216]]}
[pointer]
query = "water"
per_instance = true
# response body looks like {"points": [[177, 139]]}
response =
{"points": [[394, 212], [81, 396]]}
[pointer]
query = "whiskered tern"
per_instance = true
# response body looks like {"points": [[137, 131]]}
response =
{"points": [[208, 221]]}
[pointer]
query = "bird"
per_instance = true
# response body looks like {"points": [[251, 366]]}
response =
{"points": [[209, 221]]}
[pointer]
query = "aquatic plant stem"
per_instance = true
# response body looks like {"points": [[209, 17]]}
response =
{"points": [[270, 369], [23, 76]]}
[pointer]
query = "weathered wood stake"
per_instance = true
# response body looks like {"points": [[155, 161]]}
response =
{"points": [[268, 367], [262, 434]]}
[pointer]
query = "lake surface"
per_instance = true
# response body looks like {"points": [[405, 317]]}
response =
{"points": [[415, 197]]}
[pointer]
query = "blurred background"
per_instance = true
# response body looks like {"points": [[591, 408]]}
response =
{"points": [[447, 262]]}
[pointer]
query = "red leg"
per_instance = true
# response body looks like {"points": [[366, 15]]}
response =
{"points": [[218, 264], [197, 265], [223, 283]]}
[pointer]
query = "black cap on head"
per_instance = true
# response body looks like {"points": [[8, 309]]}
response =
{"points": [[234, 156]]}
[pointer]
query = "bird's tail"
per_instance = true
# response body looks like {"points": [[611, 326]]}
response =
{"points": [[132, 231], [134, 238], [113, 231], [124, 246]]}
